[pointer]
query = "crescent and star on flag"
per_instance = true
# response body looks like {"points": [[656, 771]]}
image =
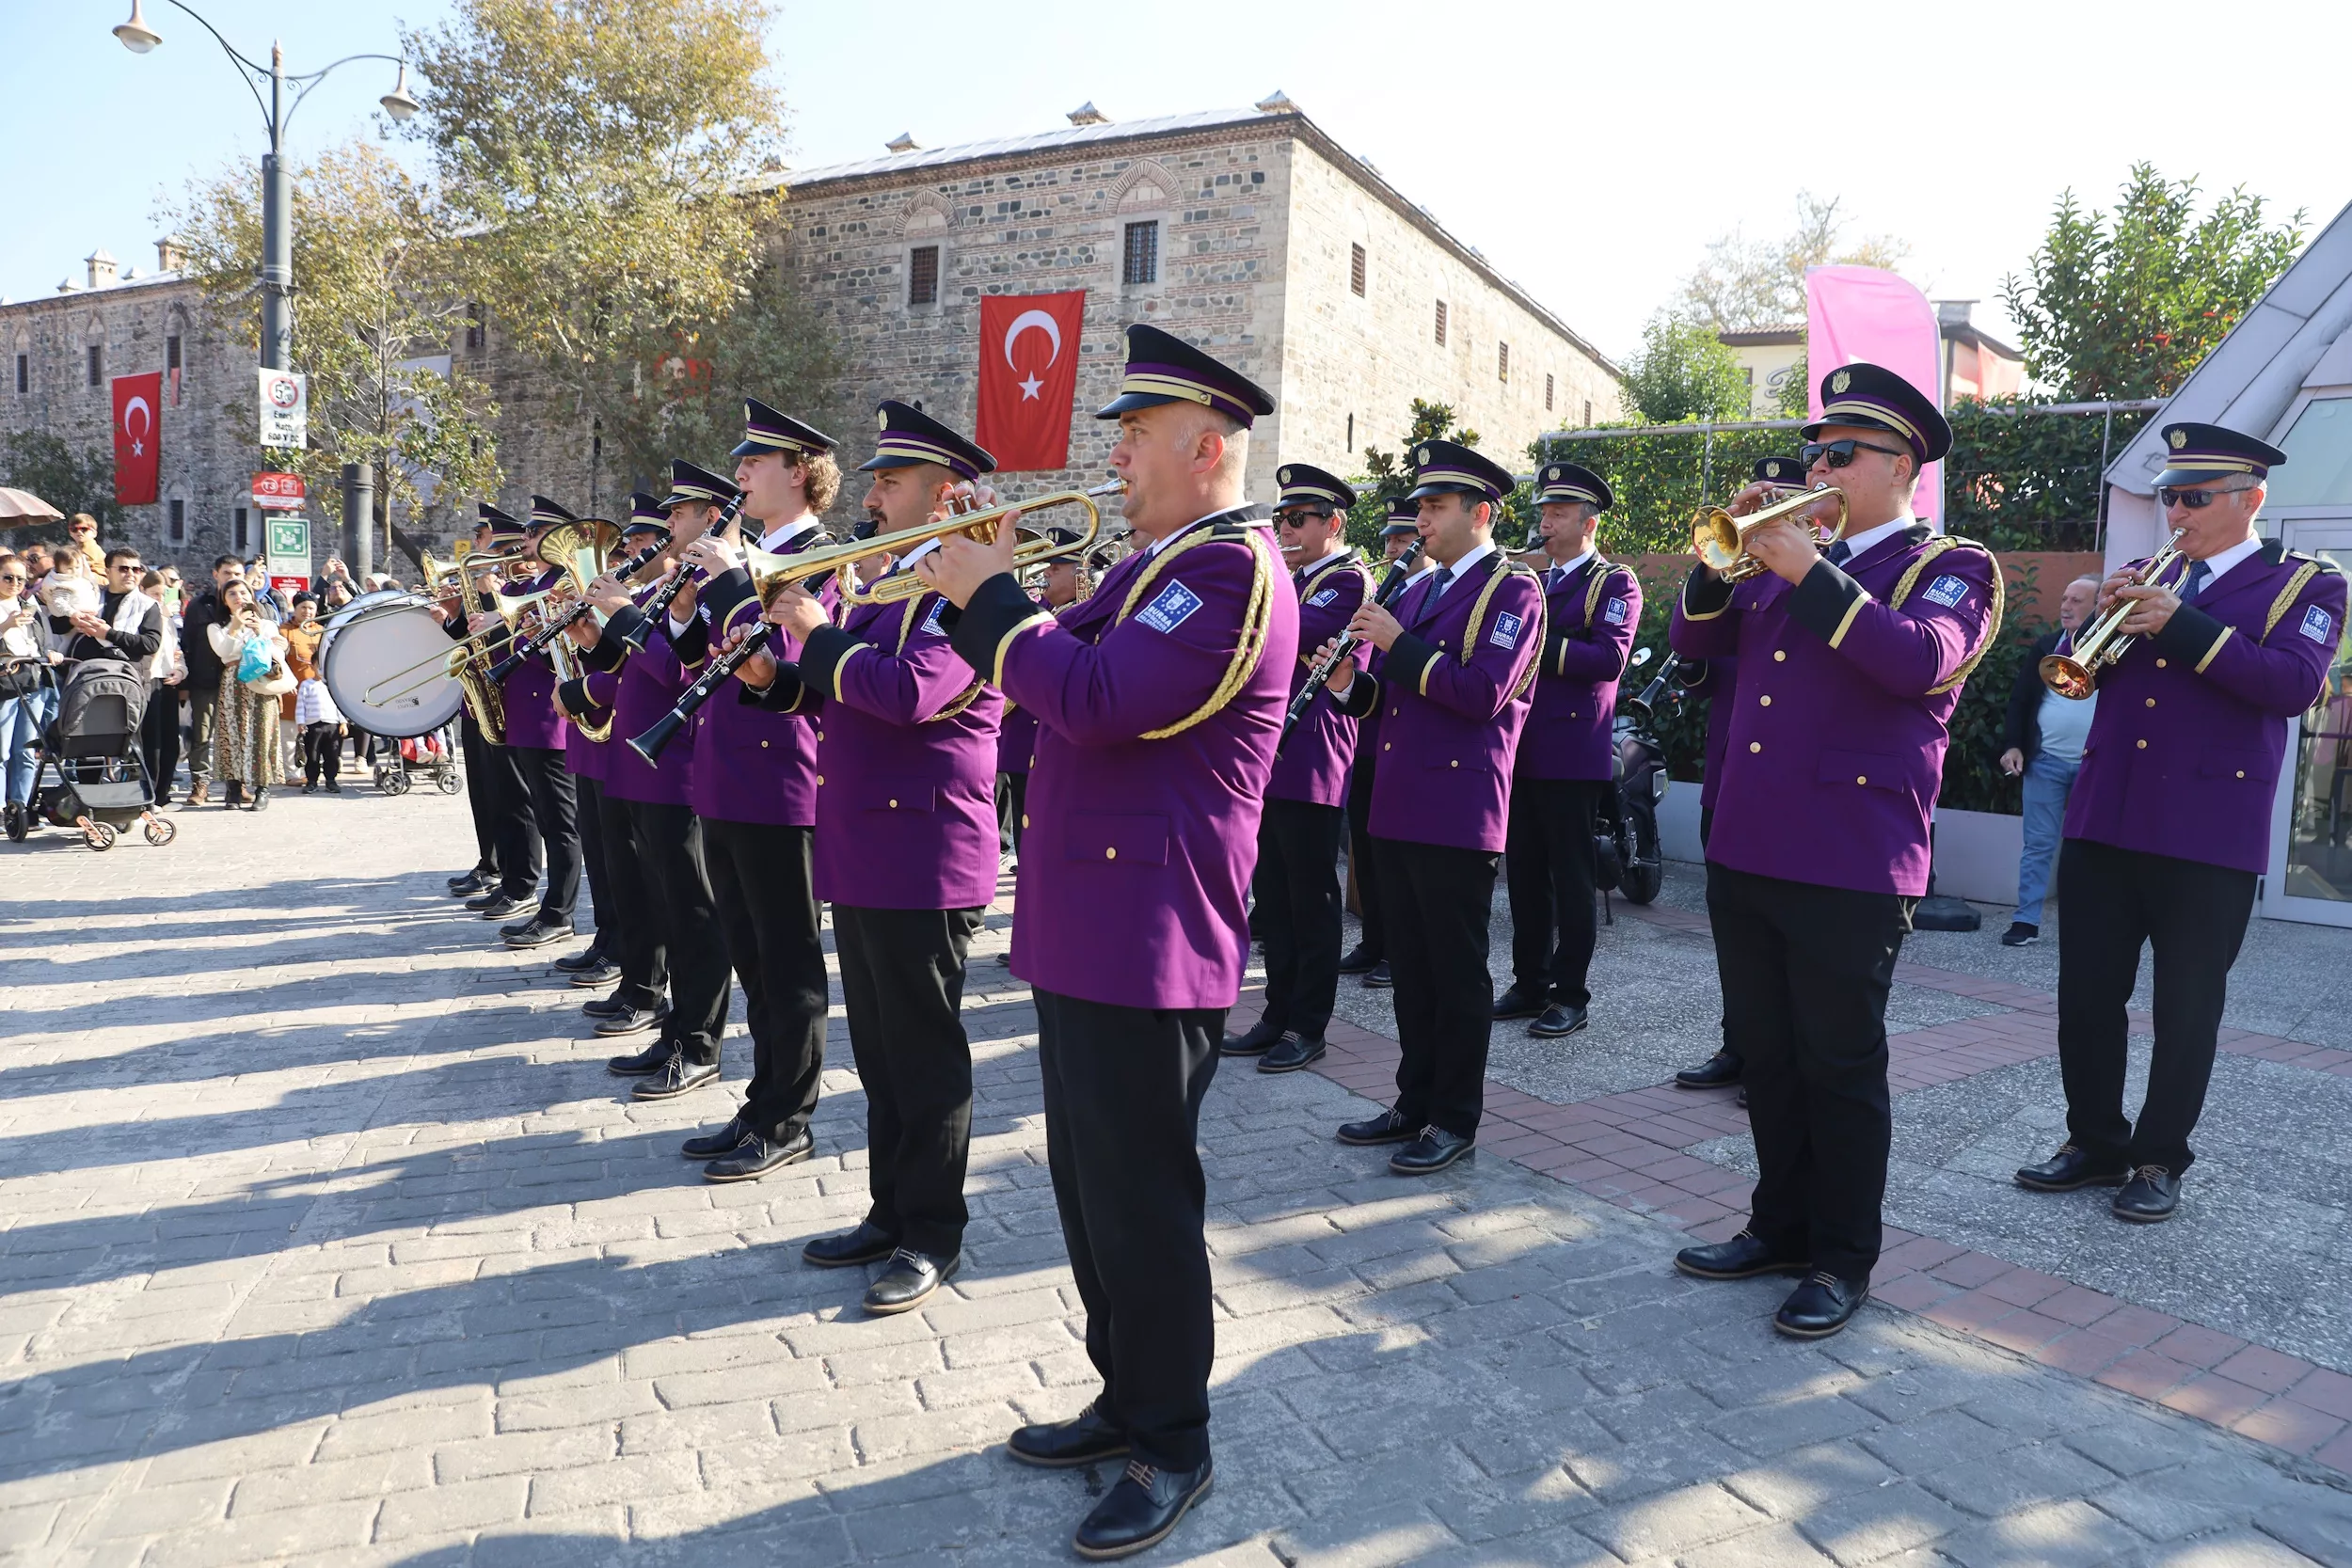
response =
{"points": [[138, 440], [1022, 322]]}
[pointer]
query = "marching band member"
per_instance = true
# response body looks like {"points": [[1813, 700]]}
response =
{"points": [[2169, 825], [906, 855], [534, 732], [481, 801], [1369, 957], [520, 850], [1458, 658], [1158, 702], [1850, 668], [1297, 884], [1718, 681], [1566, 758], [752, 780]]}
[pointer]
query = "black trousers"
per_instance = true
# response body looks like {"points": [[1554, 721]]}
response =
{"points": [[1361, 859], [2194, 915], [629, 928], [1124, 1088], [902, 986], [1299, 908], [1012, 795], [555, 811], [670, 838], [516, 840], [321, 753], [1806, 974], [481, 791], [158, 738], [588, 802], [1549, 872], [1438, 899], [759, 881]]}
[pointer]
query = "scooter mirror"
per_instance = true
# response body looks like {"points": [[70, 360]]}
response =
{"points": [[1641, 656]]}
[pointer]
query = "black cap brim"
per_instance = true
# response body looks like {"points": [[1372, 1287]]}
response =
{"points": [[2203, 479], [1446, 487], [1127, 402]]}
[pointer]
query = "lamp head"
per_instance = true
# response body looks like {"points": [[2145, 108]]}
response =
{"points": [[136, 36], [397, 102]]}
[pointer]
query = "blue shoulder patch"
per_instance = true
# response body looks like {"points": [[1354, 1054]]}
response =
{"points": [[1170, 609], [2318, 626], [930, 622], [1507, 632], [1615, 611], [1947, 590], [1325, 597]]}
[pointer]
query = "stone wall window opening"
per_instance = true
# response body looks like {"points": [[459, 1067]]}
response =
{"points": [[1441, 324], [24, 374], [1588, 413], [1351, 432], [1503, 361], [923, 274], [1356, 270], [97, 365], [1546, 391], [1139, 261], [241, 530], [171, 352], [176, 524], [474, 329]]}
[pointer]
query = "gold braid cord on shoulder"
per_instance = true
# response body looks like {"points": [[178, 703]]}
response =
{"points": [[1936, 546], [970, 693], [1478, 618], [2285, 601], [1253, 627], [1602, 566]]}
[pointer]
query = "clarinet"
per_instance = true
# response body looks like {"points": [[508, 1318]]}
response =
{"points": [[1391, 586], [690, 701], [540, 641], [658, 608]]}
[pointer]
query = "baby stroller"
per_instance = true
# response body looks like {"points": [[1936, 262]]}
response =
{"points": [[93, 746], [430, 755]]}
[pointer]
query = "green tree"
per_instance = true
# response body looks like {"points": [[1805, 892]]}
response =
{"points": [[1683, 372], [1390, 474], [615, 162], [1746, 284], [68, 480], [378, 307], [2125, 304]]}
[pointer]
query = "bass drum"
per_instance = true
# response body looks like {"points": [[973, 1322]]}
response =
{"points": [[385, 661]]}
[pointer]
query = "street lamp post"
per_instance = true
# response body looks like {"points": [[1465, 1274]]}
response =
{"points": [[277, 269]]}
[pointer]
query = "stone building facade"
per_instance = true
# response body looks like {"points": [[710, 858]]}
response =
{"points": [[1251, 232]]}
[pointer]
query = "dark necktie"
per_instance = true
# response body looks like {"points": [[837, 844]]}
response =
{"points": [[1840, 553], [1438, 583], [2197, 572]]}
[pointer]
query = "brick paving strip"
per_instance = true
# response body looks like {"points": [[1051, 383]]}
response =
{"points": [[324, 1238], [1629, 1149]]}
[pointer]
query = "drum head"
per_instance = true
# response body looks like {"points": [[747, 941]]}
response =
{"points": [[379, 645]]}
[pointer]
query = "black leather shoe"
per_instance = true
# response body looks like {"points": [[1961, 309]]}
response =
{"points": [[1378, 978], [592, 979], [516, 927], [1260, 1037], [2070, 1169], [1435, 1149], [479, 879], [1139, 1510], [754, 1157], [497, 906], [603, 1006], [590, 956], [709, 1146], [537, 932], [1083, 1439], [1821, 1306], [626, 1021], [2019, 935], [868, 1243], [677, 1077], [910, 1280], [484, 899], [1743, 1257], [1357, 961], [2150, 1196], [1558, 1020], [644, 1063], [1386, 1128], [1721, 1070], [1518, 1001], [1290, 1054]]}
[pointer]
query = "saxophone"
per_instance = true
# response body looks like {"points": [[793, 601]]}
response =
{"points": [[483, 698]]}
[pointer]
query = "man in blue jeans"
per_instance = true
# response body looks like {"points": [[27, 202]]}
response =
{"points": [[2045, 735]]}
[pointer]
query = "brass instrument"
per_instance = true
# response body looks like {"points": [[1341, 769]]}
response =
{"points": [[2102, 641], [1721, 540], [482, 696], [473, 644], [771, 574], [579, 550]]}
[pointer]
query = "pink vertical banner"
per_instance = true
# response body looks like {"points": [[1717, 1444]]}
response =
{"points": [[1868, 313]]}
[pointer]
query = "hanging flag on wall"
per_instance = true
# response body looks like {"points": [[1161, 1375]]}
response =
{"points": [[138, 437], [1028, 377]]}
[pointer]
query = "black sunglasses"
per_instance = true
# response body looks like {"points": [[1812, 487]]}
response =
{"points": [[1298, 516], [1842, 452], [2195, 501]]}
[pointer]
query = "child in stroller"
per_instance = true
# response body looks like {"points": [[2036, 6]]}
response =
{"points": [[92, 746]]}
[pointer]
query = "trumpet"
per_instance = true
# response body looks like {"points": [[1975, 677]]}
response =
{"points": [[773, 574], [471, 645], [2102, 641], [1720, 540]]}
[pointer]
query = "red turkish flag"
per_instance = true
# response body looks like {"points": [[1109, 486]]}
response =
{"points": [[138, 437], [1028, 377]]}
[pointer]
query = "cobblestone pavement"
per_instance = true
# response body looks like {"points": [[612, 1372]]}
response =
{"points": [[324, 1237]]}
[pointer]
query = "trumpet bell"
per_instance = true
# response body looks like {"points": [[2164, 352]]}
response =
{"points": [[2068, 677], [1720, 540]]}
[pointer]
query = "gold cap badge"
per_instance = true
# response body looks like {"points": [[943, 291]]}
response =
{"points": [[2179, 439], [1839, 382], [1421, 456]]}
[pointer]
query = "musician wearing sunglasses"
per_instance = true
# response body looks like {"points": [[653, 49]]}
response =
{"points": [[1297, 881], [752, 780], [1850, 664], [2169, 825]]}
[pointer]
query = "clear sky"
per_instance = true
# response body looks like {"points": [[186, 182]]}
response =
{"points": [[1590, 151]]}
